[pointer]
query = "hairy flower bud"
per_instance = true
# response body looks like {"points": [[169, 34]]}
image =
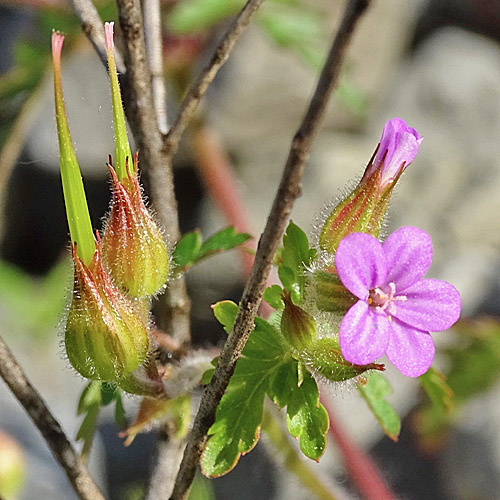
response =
{"points": [[324, 358], [106, 339], [134, 250], [364, 209], [297, 326]]}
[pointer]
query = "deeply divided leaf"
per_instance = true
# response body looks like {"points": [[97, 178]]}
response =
{"points": [[374, 393], [265, 367]]}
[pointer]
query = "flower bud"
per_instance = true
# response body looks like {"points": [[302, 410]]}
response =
{"points": [[329, 292], [106, 339], [364, 209], [134, 250], [297, 326], [324, 358]]}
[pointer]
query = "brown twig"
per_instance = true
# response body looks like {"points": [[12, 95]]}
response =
{"points": [[93, 27], [288, 191], [141, 114], [152, 32], [52, 432], [198, 89]]}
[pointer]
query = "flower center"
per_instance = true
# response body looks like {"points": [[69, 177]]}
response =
{"points": [[383, 298]]}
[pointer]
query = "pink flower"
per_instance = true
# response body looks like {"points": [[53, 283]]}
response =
{"points": [[398, 147], [396, 309]]}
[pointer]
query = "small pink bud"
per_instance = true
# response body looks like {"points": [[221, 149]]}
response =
{"points": [[364, 209]]}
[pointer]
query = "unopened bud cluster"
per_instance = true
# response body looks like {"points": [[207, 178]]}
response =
{"points": [[107, 330]]}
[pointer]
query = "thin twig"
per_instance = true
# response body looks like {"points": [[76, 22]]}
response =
{"points": [[143, 119], [154, 51], [141, 114], [52, 432], [288, 191], [198, 89], [93, 27]]}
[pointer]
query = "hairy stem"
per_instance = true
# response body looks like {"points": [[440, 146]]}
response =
{"points": [[52, 432], [288, 191]]}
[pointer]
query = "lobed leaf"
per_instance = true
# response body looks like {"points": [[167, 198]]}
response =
{"points": [[190, 250], [265, 367], [374, 393], [272, 295]]}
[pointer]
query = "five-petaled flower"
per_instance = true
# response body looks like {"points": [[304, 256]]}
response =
{"points": [[396, 309]]}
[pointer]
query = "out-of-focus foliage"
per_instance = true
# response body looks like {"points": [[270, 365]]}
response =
{"points": [[33, 304], [473, 368], [374, 393]]}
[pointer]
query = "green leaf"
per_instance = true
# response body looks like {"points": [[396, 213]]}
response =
{"points": [[190, 250], [265, 367], [186, 249], [272, 295], [89, 404], [434, 384], [306, 418], [374, 393], [296, 256], [198, 15], [226, 239], [225, 312]]}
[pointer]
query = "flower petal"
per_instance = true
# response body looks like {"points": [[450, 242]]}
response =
{"points": [[410, 350], [364, 334], [399, 145], [430, 305], [409, 255], [361, 264]]}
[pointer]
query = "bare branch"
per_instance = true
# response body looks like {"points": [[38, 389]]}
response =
{"points": [[198, 89], [52, 432], [93, 27], [288, 191], [154, 44], [139, 104]]}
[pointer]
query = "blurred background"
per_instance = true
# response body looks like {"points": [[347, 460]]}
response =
{"points": [[434, 63]]}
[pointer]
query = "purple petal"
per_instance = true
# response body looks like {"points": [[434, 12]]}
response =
{"points": [[409, 255], [410, 350], [364, 334], [361, 264], [399, 145], [430, 305]]}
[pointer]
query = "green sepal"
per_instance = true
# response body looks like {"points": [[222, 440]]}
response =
{"points": [[324, 358], [374, 393]]}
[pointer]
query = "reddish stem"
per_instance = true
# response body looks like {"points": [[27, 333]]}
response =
{"points": [[360, 468]]}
